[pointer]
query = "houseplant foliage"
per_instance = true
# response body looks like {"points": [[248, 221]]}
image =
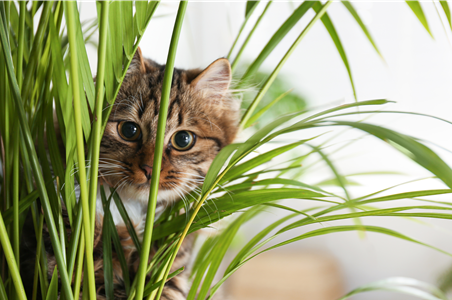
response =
{"points": [[44, 70]]}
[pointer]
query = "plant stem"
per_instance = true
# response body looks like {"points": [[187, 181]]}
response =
{"points": [[278, 68], [239, 54], [13, 268], [16, 134], [79, 269], [70, 17], [166, 90], [160, 276], [21, 36], [15, 186], [97, 126]]}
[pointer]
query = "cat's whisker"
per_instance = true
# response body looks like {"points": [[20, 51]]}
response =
{"points": [[101, 161], [197, 176], [191, 189], [121, 184], [111, 171], [225, 189], [106, 107], [111, 174], [210, 219], [189, 173], [112, 161], [201, 179], [216, 207], [182, 197], [195, 182]]}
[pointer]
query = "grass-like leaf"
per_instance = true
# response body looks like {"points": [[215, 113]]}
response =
{"points": [[217, 254], [106, 245], [419, 12], [125, 217], [446, 10], [361, 24], [52, 293], [415, 150], [402, 285], [277, 37], [225, 206], [337, 42]]}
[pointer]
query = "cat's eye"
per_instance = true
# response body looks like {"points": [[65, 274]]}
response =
{"points": [[129, 131], [183, 140]]}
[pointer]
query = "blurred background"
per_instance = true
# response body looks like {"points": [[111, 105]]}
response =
{"points": [[416, 73]]}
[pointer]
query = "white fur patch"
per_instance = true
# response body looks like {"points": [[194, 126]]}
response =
{"points": [[136, 205]]}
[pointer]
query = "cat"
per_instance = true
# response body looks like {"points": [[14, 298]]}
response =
{"points": [[202, 119]]}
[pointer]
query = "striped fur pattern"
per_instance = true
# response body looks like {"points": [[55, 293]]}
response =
{"points": [[200, 103]]}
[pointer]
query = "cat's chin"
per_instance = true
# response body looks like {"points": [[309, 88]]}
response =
{"points": [[139, 194]]}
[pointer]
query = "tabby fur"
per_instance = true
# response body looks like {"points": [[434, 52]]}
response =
{"points": [[200, 102]]}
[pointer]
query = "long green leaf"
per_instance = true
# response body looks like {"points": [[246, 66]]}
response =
{"points": [[406, 195], [216, 165], [250, 6], [417, 9], [99, 104], [335, 37], [24, 205], [220, 249], [106, 245], [259, 160], [250, 34], [401, 285], [446, 9], [225, 206], [125, 217], [361, 24], [336, 229], [154, 286], [258, 114], [281, 63], [52, 293], [277, 37], [415, 150], [258, 237]]}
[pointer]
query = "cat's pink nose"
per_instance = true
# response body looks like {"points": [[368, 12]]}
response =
{"points": [[147, 171]]}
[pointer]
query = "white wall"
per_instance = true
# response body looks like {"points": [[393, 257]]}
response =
{"points": [[417, 74]]}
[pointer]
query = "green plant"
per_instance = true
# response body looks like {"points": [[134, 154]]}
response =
{"points": [[35, 82]]}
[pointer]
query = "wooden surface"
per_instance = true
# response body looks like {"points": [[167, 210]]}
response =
{"points": [[287, 275]]}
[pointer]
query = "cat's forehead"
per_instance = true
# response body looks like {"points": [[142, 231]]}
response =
{"points": [[139, 99]]}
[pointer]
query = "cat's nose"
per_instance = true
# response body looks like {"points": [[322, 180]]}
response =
{"points": [[147, 171]]}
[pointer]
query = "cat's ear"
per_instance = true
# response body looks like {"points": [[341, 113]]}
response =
{"points": [[137, 66], [214, 81]]}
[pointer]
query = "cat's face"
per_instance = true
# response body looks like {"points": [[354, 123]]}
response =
{"points": [[202, 119]]}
